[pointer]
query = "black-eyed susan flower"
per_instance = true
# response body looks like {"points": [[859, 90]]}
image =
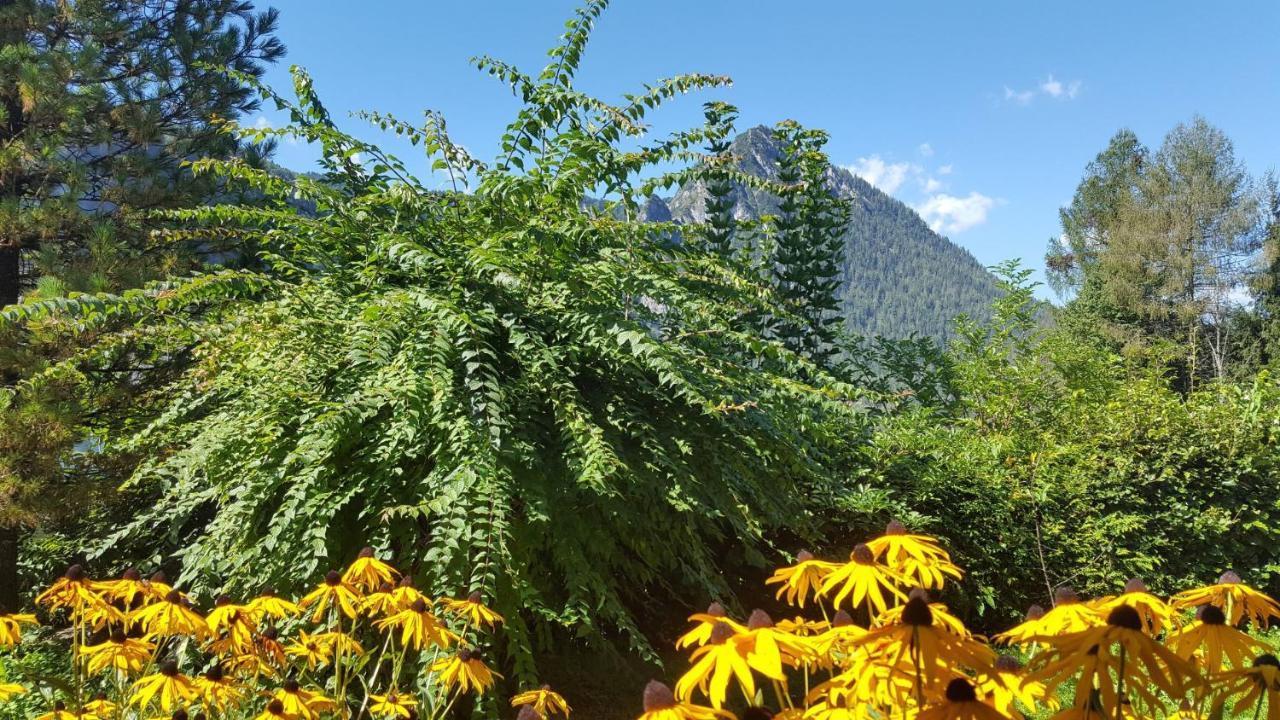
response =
{"points": [[917, 558], [713, 664], [393, 704], [10, 690], [218, 691], [341, 644], [381, 603], [73, 591], [368, 572], [464, 672], [1023, 632], [1005, 688], [473, 609], [232, 626], [1249, 688], [333, 592], [314, 652], [960, 702], [157, 585], [862, 579], [300, 702], [1067, 616], [800, 581], [700, 634], [1118, 660], [885, 682], [171, 616], [835, 639], [406, 594], [418, 627], [941, 615], [274, 710], [544, 701], [99, 614], [167, 688], [1234, 598], [803, 627], [661, 704], [118, 652], [11, 627], [268, 604], [1157, 615], [130, 590], [831, 710], [1214, 643], [937, 654], [101, 707]]}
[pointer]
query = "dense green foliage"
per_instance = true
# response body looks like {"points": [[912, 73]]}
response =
{"points": [[515, 393]]}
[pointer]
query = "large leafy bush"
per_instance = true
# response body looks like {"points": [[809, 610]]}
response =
{"points": [[518, 392]]}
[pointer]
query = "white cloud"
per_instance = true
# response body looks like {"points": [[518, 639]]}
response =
{"points": [[886, 176], [925, 149], [262, 123], [950, 214], [930, 185], [1021, 97], [945, 170], [1056, 89], [1051, 87]]}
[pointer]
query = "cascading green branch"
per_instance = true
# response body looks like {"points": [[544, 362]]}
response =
{"points": [[506, 390]]}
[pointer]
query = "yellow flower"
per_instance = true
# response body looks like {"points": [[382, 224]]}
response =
{"points": [[961, 703], [1247, 688], [118, 652], [100, 707], [158, 585], [936, 653], [171, 688], [310, 649], [130, 590], [1215, 642], [544, 702], [761, 648], [941, 616], [99, 614], [803, 627], [1005, 688], [341, 643], [862, 579], [918, 558], [406, 594], [301, 703], [1234, 598], [269, 605], [72, 591], [834, 639], [382, 603], [275, 711], [661, 704], [11, 627], [368, 572], [1118, 652], [418, 627], [464, 672], [10, 690], [801, 580], [473, 609], [233, 626], [217, 691], [701, 632], [332, 592], [171, 616], [1068, 615], [1157, 616], [392, 705]]}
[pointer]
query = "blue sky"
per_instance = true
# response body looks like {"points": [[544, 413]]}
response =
{"points": [[981, 115]]}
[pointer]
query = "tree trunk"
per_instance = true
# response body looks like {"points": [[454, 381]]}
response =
{"points": [[9, 276], [8, 569]]}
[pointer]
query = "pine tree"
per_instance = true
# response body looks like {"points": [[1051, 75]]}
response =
{"points": [[101, 103], [810, 244]]}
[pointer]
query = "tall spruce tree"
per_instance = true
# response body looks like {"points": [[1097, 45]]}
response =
{"points": [[810, 245]]}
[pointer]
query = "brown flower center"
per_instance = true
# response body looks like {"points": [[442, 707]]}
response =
{"points": [[916, 612], [1125, 617], [959, 690], [658, 697]]}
